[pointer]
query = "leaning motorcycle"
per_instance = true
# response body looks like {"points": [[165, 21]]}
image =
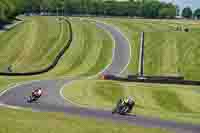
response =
{"points": [[31, 99], [121, 109]]}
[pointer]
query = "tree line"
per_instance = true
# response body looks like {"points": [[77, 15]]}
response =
{"points": [[188, 13], [140, 8]]}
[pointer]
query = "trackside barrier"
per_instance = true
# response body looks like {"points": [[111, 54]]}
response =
{"points": [[21, 21], [156, 79], [52, 65], [141, 58]]}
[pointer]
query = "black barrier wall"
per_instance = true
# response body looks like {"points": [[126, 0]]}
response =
{"points": [[155, 79], [54, 62]]}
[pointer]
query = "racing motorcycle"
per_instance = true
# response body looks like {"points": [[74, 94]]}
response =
{"points": [[35, 96], [31, 99], [123, 108]]}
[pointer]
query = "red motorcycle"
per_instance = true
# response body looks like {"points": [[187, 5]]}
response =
{"points": [[36, 94]]}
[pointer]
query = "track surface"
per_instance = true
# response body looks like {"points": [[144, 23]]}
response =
{"points": [[121, 52], [52, 101]]}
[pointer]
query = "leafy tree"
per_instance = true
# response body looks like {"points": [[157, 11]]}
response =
{"points": [[177, 11], [151, 9], [187, 12], [167, 12], [133, 9], [143, 8], [197, 13]]}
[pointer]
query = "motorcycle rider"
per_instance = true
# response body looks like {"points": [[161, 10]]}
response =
{"points": [[128, 101], [37, 93]]}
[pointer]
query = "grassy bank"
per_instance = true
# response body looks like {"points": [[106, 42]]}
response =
{"points": [[173, 53], [25, 121], [172, 102], [167, 51], [132, 29], [89, 53], [32, 45]]}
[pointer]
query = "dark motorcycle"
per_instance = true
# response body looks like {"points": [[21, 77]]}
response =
{"points": [[123, 108], [31, 99]]}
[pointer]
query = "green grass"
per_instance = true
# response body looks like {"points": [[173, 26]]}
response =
{"points": [[172, 102], [174, 106], [33, 44], [89, 53], [161, 57], [167, 52], [131, 29], [26, 121], [178, 54]]}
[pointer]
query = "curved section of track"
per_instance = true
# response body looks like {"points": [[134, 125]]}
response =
{"points": [[52, 101], [121, 53]]}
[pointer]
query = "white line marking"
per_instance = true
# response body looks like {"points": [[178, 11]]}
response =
{"points": [[74, 103], [113, 54], [118, 30], [9, 88], [19, 84], [90, 77], [10, 106], [68, 100], [18, 107], [130, 50], [61, 90]]}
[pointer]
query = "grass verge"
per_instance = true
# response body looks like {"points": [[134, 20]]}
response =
{"points": [[26, 121], [89, 53], [170, 102], [33, 44], [167, 52]]}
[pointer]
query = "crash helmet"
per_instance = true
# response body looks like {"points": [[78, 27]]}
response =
{"points": [[130, 99]]}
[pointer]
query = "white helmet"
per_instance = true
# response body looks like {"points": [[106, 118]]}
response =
{"points": [[130, 99]]}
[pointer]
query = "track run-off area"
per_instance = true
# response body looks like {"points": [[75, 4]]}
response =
{"points": [[54, 101]]}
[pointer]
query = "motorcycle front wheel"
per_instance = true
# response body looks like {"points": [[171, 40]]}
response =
{"points": [[30, 99]]}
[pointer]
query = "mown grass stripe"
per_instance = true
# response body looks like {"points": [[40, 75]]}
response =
{"points": [[169, 101]]}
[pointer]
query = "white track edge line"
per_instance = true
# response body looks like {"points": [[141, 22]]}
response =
{"points": [[61, 90], [129, 44], [113, 54], [75, 103], [32, 81]]}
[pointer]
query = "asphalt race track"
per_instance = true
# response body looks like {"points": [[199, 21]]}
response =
{"points": [[122, 54], [53, 102]]}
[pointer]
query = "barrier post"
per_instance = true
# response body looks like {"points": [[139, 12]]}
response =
{"points": [[141, 57]]}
